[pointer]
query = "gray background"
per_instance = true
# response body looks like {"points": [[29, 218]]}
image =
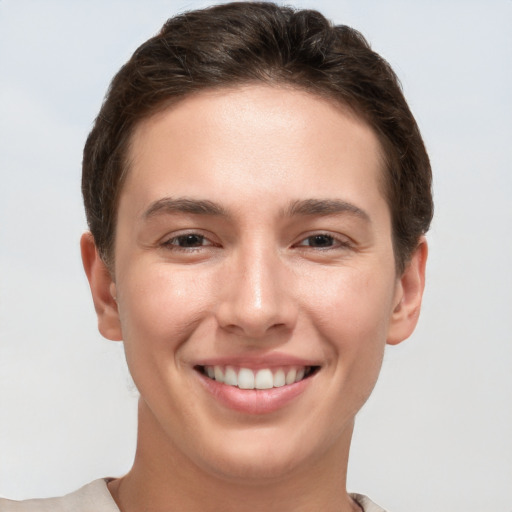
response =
{"points": [[436, 434]]}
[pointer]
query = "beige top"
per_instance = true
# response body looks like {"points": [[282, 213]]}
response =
{"points": [[95, 497]]}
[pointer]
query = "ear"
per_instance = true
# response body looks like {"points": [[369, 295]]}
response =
{"points": [[408, 296], [103, 289]]}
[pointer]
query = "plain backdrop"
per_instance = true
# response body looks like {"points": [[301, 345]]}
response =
{"points": [[437, 433]]}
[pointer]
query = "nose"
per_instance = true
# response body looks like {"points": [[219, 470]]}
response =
{"points": [[257, 295]]}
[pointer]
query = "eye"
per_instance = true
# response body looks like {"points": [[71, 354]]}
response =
{"points": [[188, 241], [320, 241], [323, 241]]}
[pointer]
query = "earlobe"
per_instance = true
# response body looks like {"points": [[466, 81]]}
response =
{"points": [[103, 289], [408, 297]]}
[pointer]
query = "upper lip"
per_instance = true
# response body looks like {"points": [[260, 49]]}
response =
{"points": [[274, 360]]}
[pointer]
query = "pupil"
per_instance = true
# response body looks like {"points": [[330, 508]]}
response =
{"points": [[321, 240], [190, 240]]}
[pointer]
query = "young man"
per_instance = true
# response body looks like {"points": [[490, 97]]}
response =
{"points": [[257, 192]]}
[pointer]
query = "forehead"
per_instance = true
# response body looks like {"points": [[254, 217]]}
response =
{"points": [[254, 142]]}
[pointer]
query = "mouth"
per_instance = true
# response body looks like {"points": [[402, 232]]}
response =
{"points": [[262, 378]]}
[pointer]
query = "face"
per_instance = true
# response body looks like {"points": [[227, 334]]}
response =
{"points": [[254, 278]]}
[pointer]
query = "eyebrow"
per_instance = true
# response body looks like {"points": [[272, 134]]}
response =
{"points": [[325, 207], [184, 205], [304, 207]]}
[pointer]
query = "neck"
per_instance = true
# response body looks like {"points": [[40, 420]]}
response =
{"points": [[165, 477]]}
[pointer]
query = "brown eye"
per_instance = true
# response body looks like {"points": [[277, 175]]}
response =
{"points": [[188, 241], [320, 241]]}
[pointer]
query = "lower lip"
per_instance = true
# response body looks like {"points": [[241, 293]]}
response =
{"points": [[255, 401]]}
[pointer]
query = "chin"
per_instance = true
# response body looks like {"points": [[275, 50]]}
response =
{"points": [[261, 455], [256, 468]]}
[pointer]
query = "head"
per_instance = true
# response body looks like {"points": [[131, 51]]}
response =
{"points": [[243, 43], [257, 191]]}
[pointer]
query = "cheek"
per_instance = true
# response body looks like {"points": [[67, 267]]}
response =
{"points": [[350, 300], [352, 311], [159, 309]]}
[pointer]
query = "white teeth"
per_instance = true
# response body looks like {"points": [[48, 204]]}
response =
{"points": [[265, 378], [219, 374], [230, 377], [279, 379], [245, 379], [290, 376]]}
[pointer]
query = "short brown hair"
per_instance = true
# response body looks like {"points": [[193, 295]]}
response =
{"points": [[244, 42]]}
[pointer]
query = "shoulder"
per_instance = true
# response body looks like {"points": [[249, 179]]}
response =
{"points": [[366, 503], [93, 497]]}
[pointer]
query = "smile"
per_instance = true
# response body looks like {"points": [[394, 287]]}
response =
{"points": [[263, 378]]}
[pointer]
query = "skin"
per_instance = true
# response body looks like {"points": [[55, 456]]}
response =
{"points": [[264, 274]]}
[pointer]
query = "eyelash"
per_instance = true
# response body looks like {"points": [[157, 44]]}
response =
{"points": [[336, 242], [173, 246]]}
